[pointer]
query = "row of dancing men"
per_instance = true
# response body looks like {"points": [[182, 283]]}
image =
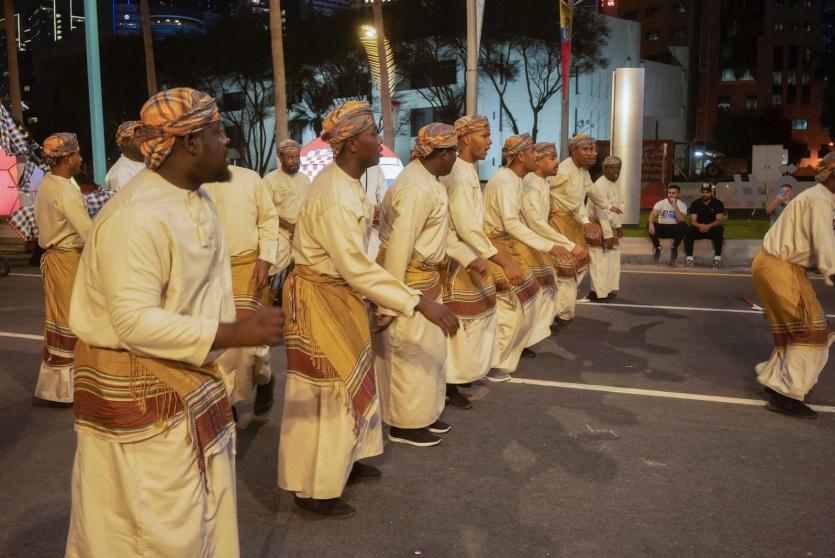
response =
{"points": [[158, 325]]}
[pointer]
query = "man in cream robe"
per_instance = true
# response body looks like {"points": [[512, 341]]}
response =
{"points": [[801, 237], [250, 223], [331, 410], [520, 324], [414, 230], [289, 187], [604, 249], [131, 162], [63, 226], [154, 471], [472, 353], [569, 215], [535, 210]]}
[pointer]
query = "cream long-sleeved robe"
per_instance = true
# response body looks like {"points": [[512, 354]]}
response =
{"points": [[410, 353], [61, 214], [250, 223], [154, 280], [802, 236], [604, 264], [288, 191], [474, 349], [519, 327], [319, 442], [122, 172]]}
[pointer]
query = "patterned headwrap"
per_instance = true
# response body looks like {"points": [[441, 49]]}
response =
{"points": [[515, 145], [434, 136], [580, 140], [126, 132], [171, 114], [474, 124], [289, 145], [346, 121], [59, 145], [545, 149], [825, 168]]}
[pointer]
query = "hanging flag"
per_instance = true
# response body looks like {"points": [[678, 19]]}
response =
{"points": [[565, 44]]}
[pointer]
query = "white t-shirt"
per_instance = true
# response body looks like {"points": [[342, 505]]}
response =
{"points": [[666, 211]]}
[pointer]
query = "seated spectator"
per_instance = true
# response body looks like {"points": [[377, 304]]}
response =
{"points": [[671, 216], [775, 206], [706, 217]]}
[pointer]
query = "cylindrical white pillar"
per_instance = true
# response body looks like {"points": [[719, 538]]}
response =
{"points": [[627, 136]]}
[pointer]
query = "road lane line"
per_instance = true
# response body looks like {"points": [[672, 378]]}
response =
{"points": [[685, 308], [656, 393], [24, 275], [699, 273], [21, 335]]}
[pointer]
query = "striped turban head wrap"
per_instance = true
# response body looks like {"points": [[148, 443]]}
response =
{"points": [[581, 140], [434, 136], [288, 146], [474, 124], [346, 121], [171, 114], [825, 168], [59, 145], [127, 131], [544, 149], [516, 145]]}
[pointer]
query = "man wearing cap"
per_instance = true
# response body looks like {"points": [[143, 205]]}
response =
{"points": [[536, 207], [289, 186], [604, 250], [414, 230], [473, 351], [331, 411], [63, 226], [250, 224], [517, 305], [707, 218], [129, 140], [154, 471], [800, 238], [569, 216]]}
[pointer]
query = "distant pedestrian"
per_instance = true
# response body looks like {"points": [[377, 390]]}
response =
{"points": [[707, 217], [668, 219], [777, 204]]}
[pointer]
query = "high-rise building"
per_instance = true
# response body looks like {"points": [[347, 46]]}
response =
{"points": [[746, 55]]}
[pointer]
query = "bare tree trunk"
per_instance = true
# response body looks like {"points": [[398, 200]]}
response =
{"points": [[279, 79], [385, 90], [148, 39], [14, 70]]}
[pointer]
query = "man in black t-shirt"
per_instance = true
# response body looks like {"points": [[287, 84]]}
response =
{"points": [[707, 214]]}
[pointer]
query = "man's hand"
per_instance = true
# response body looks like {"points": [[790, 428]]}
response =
{"points": [[479, 265], [287, 226], [382, 322], [559, 252], [651, 228], [260, 274], [608, 243], [616, 210], [439, 315], [513, 272], [703, 228], [619, 230], [262, 327], [579, 252]]}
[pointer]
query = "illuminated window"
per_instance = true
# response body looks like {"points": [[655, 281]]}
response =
{"points": [[800, 124]]}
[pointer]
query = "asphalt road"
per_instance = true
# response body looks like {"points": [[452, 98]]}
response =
{"points": [[577, 463]]}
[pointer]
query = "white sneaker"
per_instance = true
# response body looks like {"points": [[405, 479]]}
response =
{"points": [[497, 376]]}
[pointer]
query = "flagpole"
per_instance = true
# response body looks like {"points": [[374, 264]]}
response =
{"points": [[472, 59], [91, 32]]}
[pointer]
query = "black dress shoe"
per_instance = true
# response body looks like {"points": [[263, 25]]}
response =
{"points": [[361, 471], [419, 437], [332, 507], [439, 427], [455, 398], [528, 353], [264, 398], [562, 322], [779, 403]]}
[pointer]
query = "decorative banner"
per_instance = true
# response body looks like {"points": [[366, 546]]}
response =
{"points": [[565, 44]]}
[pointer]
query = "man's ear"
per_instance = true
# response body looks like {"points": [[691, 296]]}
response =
{"points": [[193, 144], [350, 145]]}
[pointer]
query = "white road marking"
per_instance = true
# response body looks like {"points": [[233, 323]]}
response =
{"points": [[685, 308], [706, 273], [24, 275], [21, 335], [656, 393]]}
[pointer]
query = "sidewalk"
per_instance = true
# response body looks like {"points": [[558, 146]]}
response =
{"points": [[735, 253]]}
